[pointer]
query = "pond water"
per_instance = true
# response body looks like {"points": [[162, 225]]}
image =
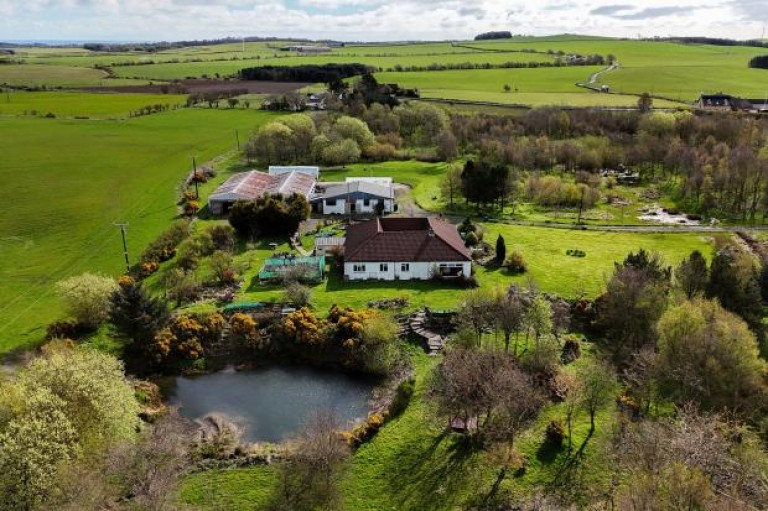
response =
{"points": [[271, 403]]}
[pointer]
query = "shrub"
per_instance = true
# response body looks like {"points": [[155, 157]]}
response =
{"points": [[554, 434], [222, 236], [575, 253], [402, 397], [189, 196], [516, 263], [571, 350], [63, 330], [87, 297], [466, 226], [164, 247], [471, 240], [222, 267], [200, 177], [148, 268], [365, 431], [191, 208], [297, 294]]}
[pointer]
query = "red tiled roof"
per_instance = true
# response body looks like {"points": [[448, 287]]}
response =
{"points": [[404, 240]]}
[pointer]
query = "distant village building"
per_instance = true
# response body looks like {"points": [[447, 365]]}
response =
{"points": [[720, 101], [726, 103], [249, 186], [358, 197], [405, 249]]}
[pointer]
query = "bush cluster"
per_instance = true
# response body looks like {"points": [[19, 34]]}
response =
{"points": [[164, 247], [515, 263]]}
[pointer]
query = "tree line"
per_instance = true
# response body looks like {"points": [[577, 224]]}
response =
{"points": [[324, 73]]}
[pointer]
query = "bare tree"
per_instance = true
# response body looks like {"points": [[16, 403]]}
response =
{"points": [[598, 382], [308, 480], [476, 313], [509, 316]]}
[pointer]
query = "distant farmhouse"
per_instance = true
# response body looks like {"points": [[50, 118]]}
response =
{"points": [[721, 102], [249, 186], [357, 195], [405, 249]]}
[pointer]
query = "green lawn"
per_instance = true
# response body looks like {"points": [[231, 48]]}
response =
{"points": [[555, 272], [82, 104], [543, 249], [67, 181]]}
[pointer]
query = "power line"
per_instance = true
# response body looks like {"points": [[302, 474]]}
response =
{"points": [[123, 228]]}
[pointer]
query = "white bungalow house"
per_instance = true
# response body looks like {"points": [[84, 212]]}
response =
{"points": [[360, 197], [405, 249]]}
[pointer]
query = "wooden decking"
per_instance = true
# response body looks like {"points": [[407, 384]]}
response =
{"points": [[434, 341]]}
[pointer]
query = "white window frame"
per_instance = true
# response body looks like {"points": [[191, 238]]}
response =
{"points": [[383, 267], [358, 268], [405, 268]]}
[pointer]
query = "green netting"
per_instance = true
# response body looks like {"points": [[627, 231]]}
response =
{"points": [[234, 307], [275, 267]]}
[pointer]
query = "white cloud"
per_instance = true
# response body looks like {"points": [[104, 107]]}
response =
{"points": [[371, 19]]}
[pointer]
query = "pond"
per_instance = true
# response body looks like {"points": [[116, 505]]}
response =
{"points": [[271, 403]]}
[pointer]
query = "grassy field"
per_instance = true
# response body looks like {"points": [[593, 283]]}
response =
{"points": [[670, 70], [68, 76], [71, 104], [679, 71], [542, 86], [67, 181]]}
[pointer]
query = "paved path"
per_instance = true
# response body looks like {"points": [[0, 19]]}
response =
{"points": [[595, 76]]}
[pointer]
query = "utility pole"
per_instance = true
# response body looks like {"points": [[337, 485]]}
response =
{"points": [[581, 206], [123, 228], [194, 177], [237, 138]]}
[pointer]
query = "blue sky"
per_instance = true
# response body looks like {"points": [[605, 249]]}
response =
{"points": [[373, 20]]}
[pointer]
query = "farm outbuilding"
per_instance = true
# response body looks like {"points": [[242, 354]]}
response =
{"points": [[277, 170], [362, 197], [325, 245], [249, 186]]}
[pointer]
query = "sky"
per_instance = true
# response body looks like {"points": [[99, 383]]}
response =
{"points": [[374, 20]]}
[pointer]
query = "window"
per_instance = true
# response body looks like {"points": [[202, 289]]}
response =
{"points": [[358, 268], [405, 267], [366, 202], [330, 202], [384, 267]]}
